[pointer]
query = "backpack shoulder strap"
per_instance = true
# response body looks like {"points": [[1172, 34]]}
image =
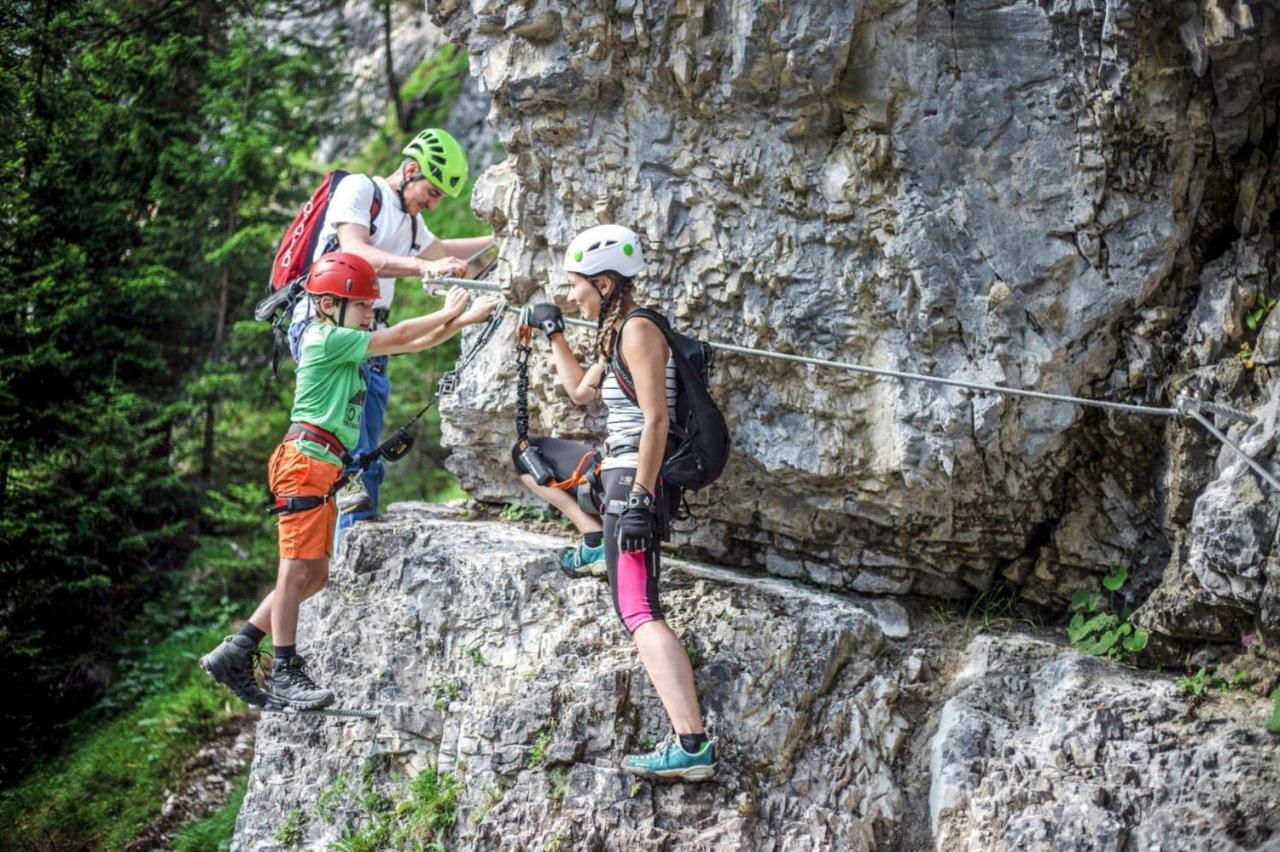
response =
{"points": [[376, 207], [619, 366]]}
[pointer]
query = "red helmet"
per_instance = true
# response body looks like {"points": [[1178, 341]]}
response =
{"points": [[343, 275]]}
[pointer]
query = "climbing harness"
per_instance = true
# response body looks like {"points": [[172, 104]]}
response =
{"points": [[1187, 406]]}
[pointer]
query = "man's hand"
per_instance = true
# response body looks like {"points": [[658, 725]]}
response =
{"points": [[546, 317], [455, 302], [635, 525], [445, 267], [479, 312]]}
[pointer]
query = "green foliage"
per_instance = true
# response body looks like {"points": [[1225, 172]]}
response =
{"points": [[1254, 317], [1193, 684], [538, 754], [492, 795], [1101, 631], [559, 786], [113, 778], [290, 831], [214, 832], [635, 790], [332, 796], [1197, 684], [1273, 724], [445, 691], [474, 655], [145, 170], [420, 817]]}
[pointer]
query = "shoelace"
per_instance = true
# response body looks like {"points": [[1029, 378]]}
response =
{"points": [[262, 662], [662, 749], [297, 674]]}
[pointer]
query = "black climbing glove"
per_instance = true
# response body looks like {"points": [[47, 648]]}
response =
{"points": [[546, 317], [636, 524]]}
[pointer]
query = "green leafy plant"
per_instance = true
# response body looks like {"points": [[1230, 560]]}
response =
{"points": [[1100, 631], [1197, 684], [538, 754], [474, 655], [492, 795], [445, 692], [635, 790], [1246, 355], [1193, 684], [332, 796], [1253, 319], [290, 831], [1273, 724], [419, 818], [559, 786]]}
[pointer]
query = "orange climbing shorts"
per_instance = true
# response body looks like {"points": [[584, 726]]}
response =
{"points": [[308, 534]]}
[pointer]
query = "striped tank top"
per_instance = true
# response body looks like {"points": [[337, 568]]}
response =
{"points": [[626, 420]]}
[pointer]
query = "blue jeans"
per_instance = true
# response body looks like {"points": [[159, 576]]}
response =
{"points": [[377, 392]]}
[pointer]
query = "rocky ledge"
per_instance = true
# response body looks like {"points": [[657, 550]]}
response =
{"points": [[842, 722]]}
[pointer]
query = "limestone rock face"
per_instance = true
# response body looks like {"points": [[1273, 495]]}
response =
{"points": [[1044, 751], [833, 724], [1043, 195]]}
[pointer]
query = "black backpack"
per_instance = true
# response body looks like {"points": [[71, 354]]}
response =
{"points": [[698, 441]]}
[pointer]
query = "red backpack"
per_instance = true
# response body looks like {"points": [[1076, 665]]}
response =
{"points": [[292, 264]]}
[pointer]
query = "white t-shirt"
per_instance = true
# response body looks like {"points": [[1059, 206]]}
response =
{"points": [[393, 231]]}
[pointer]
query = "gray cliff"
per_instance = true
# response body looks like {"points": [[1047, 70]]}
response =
{"points": [[843, 722], [1070, 196], [1073, 197]]}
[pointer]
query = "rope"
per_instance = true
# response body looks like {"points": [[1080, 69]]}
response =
{"points": [[1187, 406]]}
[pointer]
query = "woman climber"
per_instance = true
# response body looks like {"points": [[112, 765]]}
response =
{"points": [[307, 467], [636, 376]]}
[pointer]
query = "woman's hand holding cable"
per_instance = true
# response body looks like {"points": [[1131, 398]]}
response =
{"points": [[544, 316]]}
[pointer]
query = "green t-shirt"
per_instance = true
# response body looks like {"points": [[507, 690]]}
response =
{"points": [[330, 390]]}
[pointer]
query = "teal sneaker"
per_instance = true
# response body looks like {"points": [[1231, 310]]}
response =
{"points": [[669, 762], [582, 561]]}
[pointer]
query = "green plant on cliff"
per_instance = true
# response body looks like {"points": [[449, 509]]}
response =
{"points": [[538, 754], [1254, 318], [1101, 630], [420, 817], [1273, 724]]}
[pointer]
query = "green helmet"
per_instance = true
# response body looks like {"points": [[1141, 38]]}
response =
{"points": [[441, 159]]}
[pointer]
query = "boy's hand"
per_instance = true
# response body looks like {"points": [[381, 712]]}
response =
{"points": [[480, 311], [455, 302]]}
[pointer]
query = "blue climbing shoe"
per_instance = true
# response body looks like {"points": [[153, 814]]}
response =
{"points": [[582, 561], [669, 762]]}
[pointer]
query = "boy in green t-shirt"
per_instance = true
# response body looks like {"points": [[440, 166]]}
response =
{"points": [[305, 467]]}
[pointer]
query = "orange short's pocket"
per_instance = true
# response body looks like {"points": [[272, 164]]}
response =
{"points": [[309, 534]]}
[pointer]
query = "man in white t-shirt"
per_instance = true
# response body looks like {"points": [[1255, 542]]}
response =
{"points": [[396, 242]]}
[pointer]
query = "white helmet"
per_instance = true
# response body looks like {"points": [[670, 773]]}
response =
{"points": [[605, 248]]}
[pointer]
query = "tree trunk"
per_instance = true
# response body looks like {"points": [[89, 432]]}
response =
{"points": [[393, 85]]}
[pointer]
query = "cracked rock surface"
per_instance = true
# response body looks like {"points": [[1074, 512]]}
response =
{"points": [[1071, 197], [485, 661]]}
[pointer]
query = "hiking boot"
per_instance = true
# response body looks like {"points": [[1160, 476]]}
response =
{"points": [[291, 686], [669, 762], [582, 561], [231, 664]]}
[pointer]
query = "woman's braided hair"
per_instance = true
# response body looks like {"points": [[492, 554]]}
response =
{"points": [[610, 308]]}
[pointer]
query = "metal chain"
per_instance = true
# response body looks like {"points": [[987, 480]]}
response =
{"points": [[523, 351]]}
